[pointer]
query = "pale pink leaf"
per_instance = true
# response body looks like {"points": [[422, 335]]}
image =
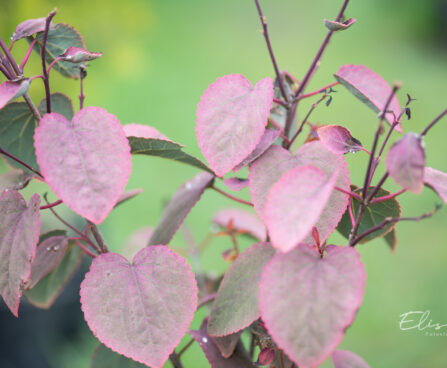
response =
{"points": [[144, 131], [10, 90], [437, 180], [28, 28], [307, 301], [241, 220], [78, 55], [128, 194], [405, 162], [227, 344], [339, 26], [236, 184], [338, 139], [86, 162], [370, 88], [19, 234], [347, 359], [231, 119], [137, 241], [295, 203], [140, 309]]}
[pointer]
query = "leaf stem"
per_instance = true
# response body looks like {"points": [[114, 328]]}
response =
{"points": [[4, 70], [18, 160], [190, 342], [351, 194], [46, 81], [280, 102], [25, 59], [175, 360], [98, 237], [281, 357], [52, 64], [387, 197], [429, 126], [32, 107], [51, 205], [82, 75], [206, 300], [317, 91], [9, 57], [377, 187], [84, 248], [231, 196]]}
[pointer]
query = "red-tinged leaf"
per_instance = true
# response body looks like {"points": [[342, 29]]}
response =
{"points": [[405, 162], [241, 220], [370, 88], [236, 184], [266, 356], [231, 119], [49, 254], [78, 55], [299, 288], [268, 138], [86, 162], [10, 90], [437, 180], [179, 206], [239, 359], [295, 203], [28, 28], [137, 241], [339, 26], [227, 344], [338, 139], [128, 194], [314, 154], [144, 131], [232, 310], [19, 234], [140, 309], [347, 359], [103, 357], [15, 179]]}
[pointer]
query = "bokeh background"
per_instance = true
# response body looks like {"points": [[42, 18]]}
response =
{"points": [[159, 57]]}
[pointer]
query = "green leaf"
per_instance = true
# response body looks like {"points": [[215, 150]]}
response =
{"points": [[104, 357], [374, 214], [60, 103], [17, 125], [165, 149], [60, 37], [49, 288], [391, 240]]}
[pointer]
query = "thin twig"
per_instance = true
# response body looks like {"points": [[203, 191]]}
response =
{"points": [[84, 248], [9, 57], [206, 300], [4, 70], [44, 68], [98, 237], [280, 102], [82, 75], [377, 187], [190, 342], [32, 107], [231, 196], [351, 194], [25, 59], [429, 126], [51, 205], [16, 159], [388, 197], [281, 357], [174, 359], [317, 91]]}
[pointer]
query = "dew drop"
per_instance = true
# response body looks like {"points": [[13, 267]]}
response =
{"points": [[188, 186], [204, 339]]}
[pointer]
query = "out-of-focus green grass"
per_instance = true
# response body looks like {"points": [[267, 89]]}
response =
{"points": [[159, 56]]}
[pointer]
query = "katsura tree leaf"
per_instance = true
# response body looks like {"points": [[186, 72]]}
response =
{"points": [[405, 162], [166, 149], [307, 301], [19, 234], [140, 309], [437, 180], [79, 55], [179, 206], [231, 119], [14, 179], [232, 309], [295, 203], [236, 184], [338, 139], [44, 294], [28, 28], [103, 357], [49, 254], [60, 103], [347, 359], [144, 131], [137, 241], [86, 162], [10, 90], [370, 88], [128, 194], [241, 220], [268, 138], [374, 214], [391, 240], [60, 37], [17, 127], [239, 359], [227, 344], [339, 26]]}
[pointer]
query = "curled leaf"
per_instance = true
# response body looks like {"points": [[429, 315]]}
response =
{"points": [[339, 26], [78, 55], [236, 184], [437, 180], [10, 90], [28, 28], [338, 139], [144, 131]]}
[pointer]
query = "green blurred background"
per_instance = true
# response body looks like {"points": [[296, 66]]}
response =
{"points": [[159, 57]]}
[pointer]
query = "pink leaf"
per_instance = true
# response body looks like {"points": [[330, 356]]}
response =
{"points": [[437, 180], [11, 90], [19, 234], [236, 184], [128, 194], [307, 302], [231, 119], [405, 162], [144, 131], [86, 162], [137, 241], [295, 203], [140, 309], [28, 28], [370, 88], [347, 359], [339, 26], [338, 139], [242, 220], [78, 55]]}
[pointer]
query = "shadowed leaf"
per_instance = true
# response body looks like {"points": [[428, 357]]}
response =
{"points": [[338, 139], [60, 103], [391, 240], [227, 344], [103, 357]]}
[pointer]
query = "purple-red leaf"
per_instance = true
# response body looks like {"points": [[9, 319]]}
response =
{"points": [[405, 162], [19, 234], [227, 344], [144, 131], [78, 55], [307, 301], [241, 221], [339, 26], [28, 28], [236, 184], [370, 88], [347, 359], [338, 139], [231, 119], [295, 203], [437, 180], [10, 90], [140, 309], [86, 162]]}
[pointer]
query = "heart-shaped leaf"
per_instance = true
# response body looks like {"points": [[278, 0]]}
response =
{"points": [[242, 221], [28, 28], [86, 162], [295, 203], [232, 310], [79, 55], [370, 88], [19, 234], [338, 139], [236, 184], [144, 131], [338, 26], [347, 359], [405, 162], [104, 357], [10, 90], [140, 309], [179, 206], [437, 180], [307, 301], [60, 103], [14, 179], [231, 119]]}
